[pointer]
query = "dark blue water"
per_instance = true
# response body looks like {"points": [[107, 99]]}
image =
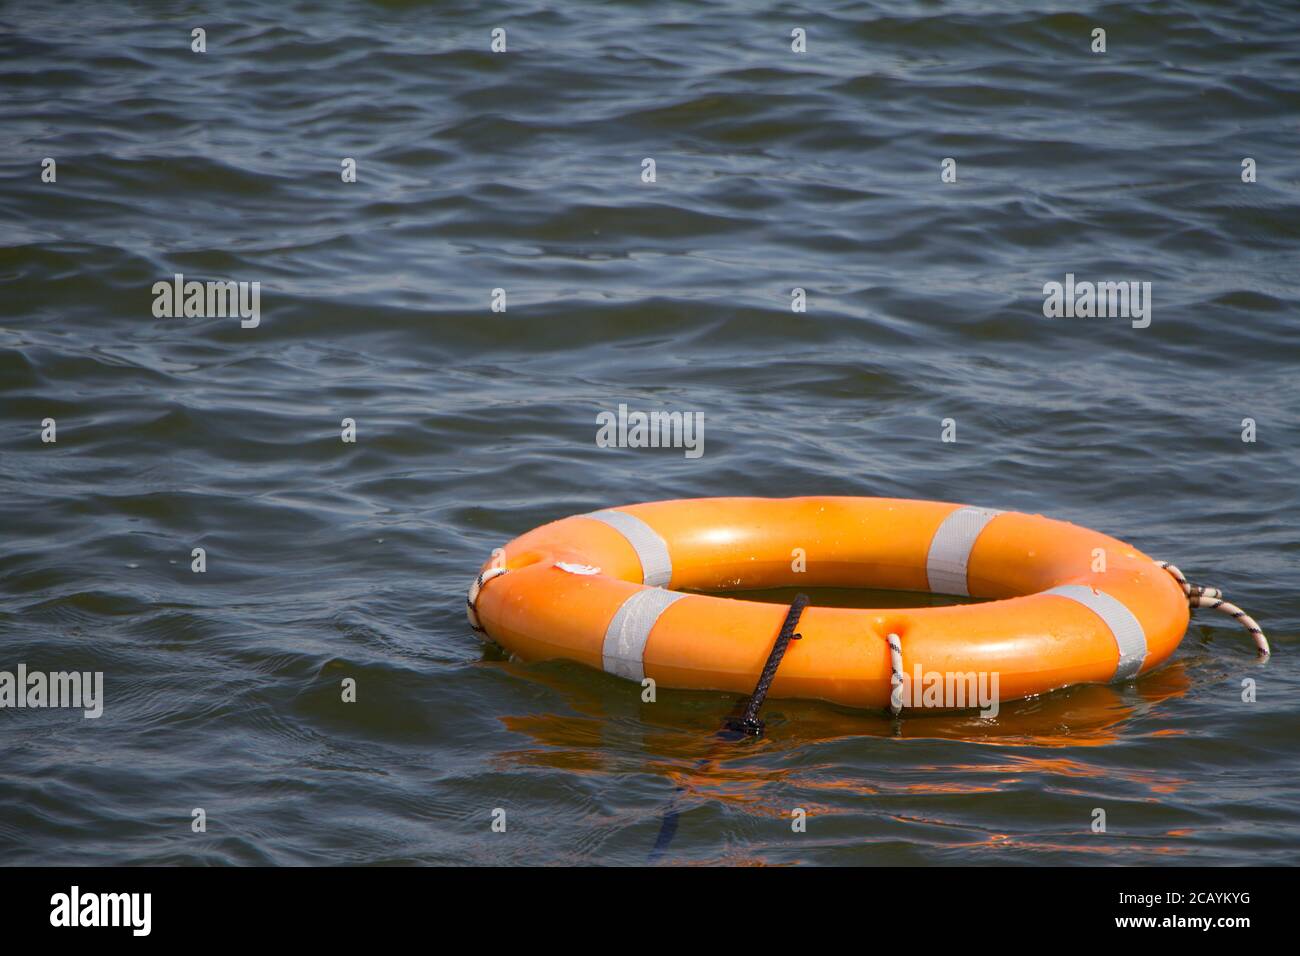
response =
{"points": [[522, 171]]}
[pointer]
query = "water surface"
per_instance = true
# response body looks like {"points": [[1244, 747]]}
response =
{"points": [[522, 171]]}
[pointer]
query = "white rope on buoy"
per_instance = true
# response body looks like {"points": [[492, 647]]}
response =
{"points": [[895, 674], [1200, 596], [471, 599]]}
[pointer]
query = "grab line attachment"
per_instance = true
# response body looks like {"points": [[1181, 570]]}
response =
{"points": [[471, 599], [895, 674], [749, 722], [1201, 596]]}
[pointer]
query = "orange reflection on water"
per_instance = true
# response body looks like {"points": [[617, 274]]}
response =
{"points": [[609, 731], [1098, 846], [949, 787]]}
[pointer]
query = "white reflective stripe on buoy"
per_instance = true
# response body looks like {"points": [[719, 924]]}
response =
{"points": [[945, 565], [652, 550], [1124, 626], [625, 638]]}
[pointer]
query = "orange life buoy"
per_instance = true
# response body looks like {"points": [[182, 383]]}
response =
{"points": [[611, 589]]}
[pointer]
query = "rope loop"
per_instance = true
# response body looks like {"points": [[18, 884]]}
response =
{"points": [[895, 674], [1199, 595], [471, 599]]}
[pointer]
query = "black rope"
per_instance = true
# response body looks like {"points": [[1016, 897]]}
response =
{"points": [[735, 727], [749, 722]]}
